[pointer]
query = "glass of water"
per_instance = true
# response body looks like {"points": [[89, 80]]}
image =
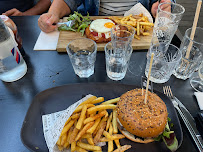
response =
{"points": [[166, 23], [117, 59], [166, 59], [82, 53], [197, 82], [191, 63]]}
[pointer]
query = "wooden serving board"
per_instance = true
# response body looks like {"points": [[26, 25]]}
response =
{"points": [[66, 36]]}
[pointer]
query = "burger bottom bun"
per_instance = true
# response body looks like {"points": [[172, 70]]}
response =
{"points": [[95, 38], [131, 136]]}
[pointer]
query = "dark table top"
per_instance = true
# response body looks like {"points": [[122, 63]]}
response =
{"points": [[47, 69]]}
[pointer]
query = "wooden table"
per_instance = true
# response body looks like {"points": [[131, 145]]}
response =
{"points": [[47, 69]]}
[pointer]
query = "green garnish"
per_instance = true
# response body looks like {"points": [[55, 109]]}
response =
{"points": [[81, 22], [168, 137]]}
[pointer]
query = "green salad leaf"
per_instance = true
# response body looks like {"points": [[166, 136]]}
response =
{"points": [[169, 137], [81, 23]]}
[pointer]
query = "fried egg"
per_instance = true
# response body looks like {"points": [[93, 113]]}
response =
{"points": [[101, 25]]}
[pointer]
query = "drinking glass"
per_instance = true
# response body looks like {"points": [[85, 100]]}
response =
{"points": [[123, 33], [197, 82], [167, 20], [82, 54], [117, 59], [188, 65], [166, 59]]}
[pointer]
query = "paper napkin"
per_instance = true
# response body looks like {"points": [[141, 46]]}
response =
{"points": [[47, 41], [138, 9], [199, 96]]}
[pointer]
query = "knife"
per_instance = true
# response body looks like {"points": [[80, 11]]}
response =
{"points": [[191, 123]]}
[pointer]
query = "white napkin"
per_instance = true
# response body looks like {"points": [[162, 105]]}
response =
{"points": [[47, 41], [199, 96], [138, 9]]}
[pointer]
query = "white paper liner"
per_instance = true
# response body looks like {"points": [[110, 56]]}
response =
{"points": [[53, 124], [138, 9]]}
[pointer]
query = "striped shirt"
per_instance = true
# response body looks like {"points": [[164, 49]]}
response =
{"points": [[115, 7]]}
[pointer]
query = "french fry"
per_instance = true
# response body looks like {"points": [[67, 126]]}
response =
{"points": [[92, 129], [67, 144], [96, 130], [90, 141], [88, 146], [146, 23], [99, 115], [75, 116], [73, 135], [110, 146], [110, 143], [137, 37], [111, 129], [73, 146], [138, 28], [89, 100], [59, 141], [69, 119], [117, 143], [112, 101], [83, 130], [145, 33], [100, 132], [114, 122], [112, 137], [123, 148], [86, 135], [63, 139], [109, 121], [78, 149], [67, 127], [79, 108], [97, 100], [100, 107], [82, 117]]}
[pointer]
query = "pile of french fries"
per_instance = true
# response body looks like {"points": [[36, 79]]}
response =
{"points": [[91, 124], [140, 23]]}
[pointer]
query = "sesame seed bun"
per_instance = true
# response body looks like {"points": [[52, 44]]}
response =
{"points": [[143, 120]]}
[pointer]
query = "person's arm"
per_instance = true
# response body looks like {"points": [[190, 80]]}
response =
{"points": [[41, 7], [59, 8]]}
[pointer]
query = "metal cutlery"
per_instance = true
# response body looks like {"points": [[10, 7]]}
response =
{"points": [[68, 23], [187, 118]]}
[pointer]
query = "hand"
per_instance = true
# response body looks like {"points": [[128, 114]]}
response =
{"points": [[13, 12], [155, 7], [46, 22]]}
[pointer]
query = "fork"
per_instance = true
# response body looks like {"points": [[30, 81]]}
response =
{"points": [[68, 23], [167, 91]]}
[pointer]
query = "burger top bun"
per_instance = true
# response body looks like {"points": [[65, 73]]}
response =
{"points": [[143, 120]]}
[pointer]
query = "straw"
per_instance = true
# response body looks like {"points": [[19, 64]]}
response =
{"points": [[149, 73], [193, 28]]}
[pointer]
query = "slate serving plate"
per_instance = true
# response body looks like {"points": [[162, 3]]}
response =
{"points": [[60, 98]]}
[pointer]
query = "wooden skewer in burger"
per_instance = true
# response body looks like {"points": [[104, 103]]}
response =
{"points": [[141, 117]]}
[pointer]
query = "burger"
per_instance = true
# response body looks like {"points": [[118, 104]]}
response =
{"points": [[100, 30], [138, 121]]}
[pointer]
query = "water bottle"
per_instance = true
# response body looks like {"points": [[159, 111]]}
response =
{"points": [[12, 64]]}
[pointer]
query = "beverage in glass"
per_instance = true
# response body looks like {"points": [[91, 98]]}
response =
{"points": [[197, 82], [191, 63], [117, 59], [12, 64], [166, 59], [166, 23], [82, 54]]}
